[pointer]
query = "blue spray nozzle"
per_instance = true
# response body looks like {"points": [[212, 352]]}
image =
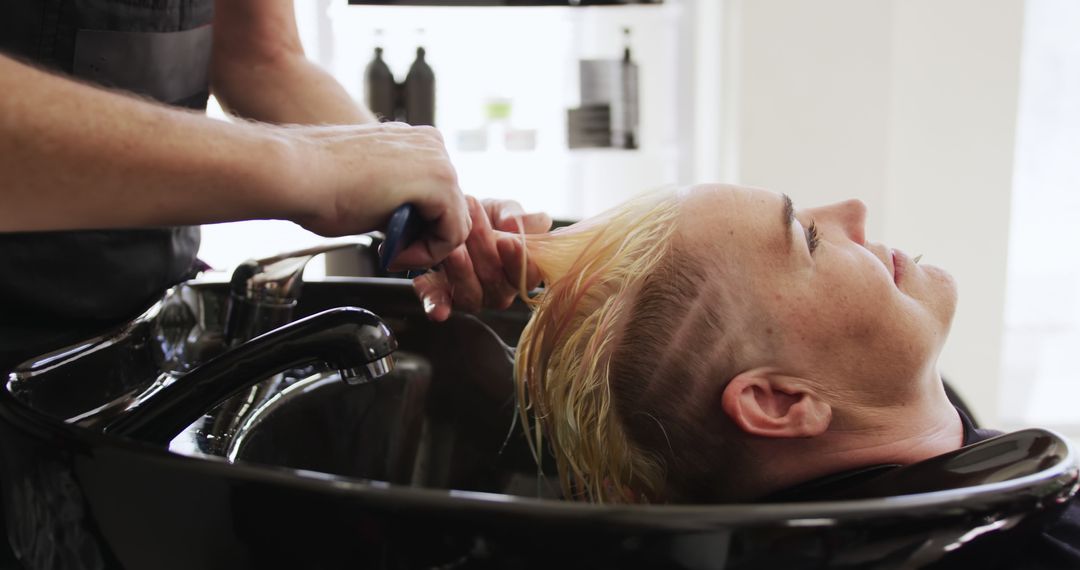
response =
{"points": [[404, 227]]}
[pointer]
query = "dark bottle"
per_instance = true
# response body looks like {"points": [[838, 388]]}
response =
{"points": [[380, 90], [420, 92], [629, 96]]}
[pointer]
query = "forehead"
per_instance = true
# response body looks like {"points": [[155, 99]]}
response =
{"points": [[732, 222]]}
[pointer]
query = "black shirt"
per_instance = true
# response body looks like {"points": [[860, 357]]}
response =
{"points": [[59, 287]]}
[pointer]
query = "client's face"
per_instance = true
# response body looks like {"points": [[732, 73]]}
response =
{"points": [[861, 320]]}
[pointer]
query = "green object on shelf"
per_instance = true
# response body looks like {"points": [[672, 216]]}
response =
{"points": [[498, 109]]}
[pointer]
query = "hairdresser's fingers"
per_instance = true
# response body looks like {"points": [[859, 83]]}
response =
{"points": [[434, 292], [465, 290], [498, 292], [510, 251], [504, 216]]}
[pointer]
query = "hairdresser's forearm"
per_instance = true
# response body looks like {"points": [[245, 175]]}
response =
{"points": [[289, 90], [259, 70], [74, 157]]}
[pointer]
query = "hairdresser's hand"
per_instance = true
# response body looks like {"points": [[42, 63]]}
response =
{"points": [[486, 271], [351, 178]]}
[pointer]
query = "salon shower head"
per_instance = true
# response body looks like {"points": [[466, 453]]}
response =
{"points": [[401, 231]]}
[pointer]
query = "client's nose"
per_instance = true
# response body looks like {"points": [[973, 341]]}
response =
{"points": [[849, 216]]}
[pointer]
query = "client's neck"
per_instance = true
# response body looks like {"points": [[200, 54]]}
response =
{"points": [[861, 438]]}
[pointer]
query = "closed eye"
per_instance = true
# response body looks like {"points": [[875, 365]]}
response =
{"points": [[811, 231], [812, 237]]}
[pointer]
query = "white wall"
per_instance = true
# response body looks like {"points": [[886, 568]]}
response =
{"points": [[909, 105], [814, 99]]}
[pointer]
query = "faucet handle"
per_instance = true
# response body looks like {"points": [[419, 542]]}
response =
{"points": [[263, 292], [278, 277]]}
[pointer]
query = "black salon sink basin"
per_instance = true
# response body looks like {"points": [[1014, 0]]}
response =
{"points": [[443, 419], [424, 468]]}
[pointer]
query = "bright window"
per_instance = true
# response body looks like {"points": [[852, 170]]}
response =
{"points": [[1042, 310]]}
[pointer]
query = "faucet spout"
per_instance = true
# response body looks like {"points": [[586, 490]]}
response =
{"points": [[368, 372], [352, 340]]}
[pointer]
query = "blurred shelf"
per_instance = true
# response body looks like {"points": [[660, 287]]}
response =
{"points": [[501, 2]]}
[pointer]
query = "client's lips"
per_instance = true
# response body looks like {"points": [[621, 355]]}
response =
{"points": [[899, 262]]}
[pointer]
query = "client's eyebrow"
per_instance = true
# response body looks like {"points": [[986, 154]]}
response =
{"points": [[789, 219]]}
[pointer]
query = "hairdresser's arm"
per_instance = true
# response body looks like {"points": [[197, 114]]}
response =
{"points": [[486, 271], [78, 157], [259, 71]]}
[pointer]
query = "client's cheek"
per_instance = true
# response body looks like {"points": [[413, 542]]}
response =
{"points": [[812, 331], [932, 299], [944, 288]]}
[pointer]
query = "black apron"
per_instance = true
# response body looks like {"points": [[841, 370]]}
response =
{"points": [[59, 287]]}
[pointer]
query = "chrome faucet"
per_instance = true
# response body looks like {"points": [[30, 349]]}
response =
{"points": [[263, 292], [353, 341]]}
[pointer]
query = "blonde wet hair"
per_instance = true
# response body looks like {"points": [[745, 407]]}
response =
{"points": [[609, 364]]}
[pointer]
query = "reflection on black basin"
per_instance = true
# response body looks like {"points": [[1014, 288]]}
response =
{"points": [[321, 424], [442, 419], [407, 429], [424, 469]]}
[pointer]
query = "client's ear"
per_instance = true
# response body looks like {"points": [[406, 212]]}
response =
{"points": [[765, 403]]}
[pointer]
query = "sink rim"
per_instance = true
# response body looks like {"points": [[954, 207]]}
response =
{"points": [[678, 517]]}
